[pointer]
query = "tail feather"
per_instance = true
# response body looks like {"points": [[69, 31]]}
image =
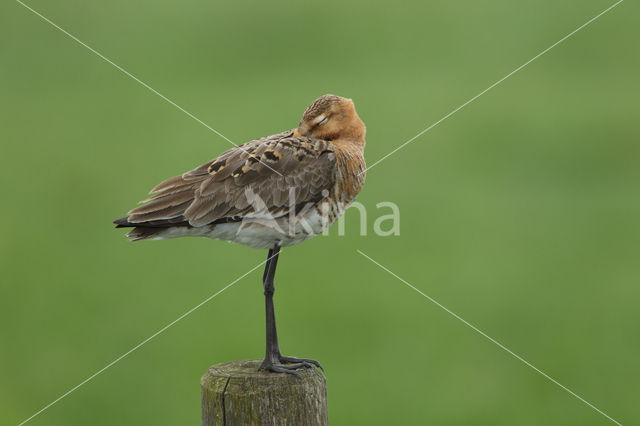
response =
{"points": [[123, 223], [140, 231], [151, 229]]}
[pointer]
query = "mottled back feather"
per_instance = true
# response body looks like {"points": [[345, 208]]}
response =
{"points": [[251, 180]]}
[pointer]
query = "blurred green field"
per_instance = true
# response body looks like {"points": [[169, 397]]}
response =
{"points": [[520, 213]]}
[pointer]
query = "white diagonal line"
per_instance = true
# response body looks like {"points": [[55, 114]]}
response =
{"points": [[500, 345], [127, 73], [492, 86], [143, 342]]}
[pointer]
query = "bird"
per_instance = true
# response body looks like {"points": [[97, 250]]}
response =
{"points": [[269, 193]]}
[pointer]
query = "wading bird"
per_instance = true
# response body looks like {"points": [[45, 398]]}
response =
{"points": [[269, 193]]}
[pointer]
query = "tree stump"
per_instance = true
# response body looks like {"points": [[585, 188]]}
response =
{"points": [[236, 393]]}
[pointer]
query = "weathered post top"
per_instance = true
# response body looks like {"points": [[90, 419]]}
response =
{"points": [[236, 393]]}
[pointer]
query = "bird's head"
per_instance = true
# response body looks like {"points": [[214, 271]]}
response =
{"points": [[332, 117]]}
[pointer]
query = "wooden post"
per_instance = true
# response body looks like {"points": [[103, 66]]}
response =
{"points": [[236, 393]]}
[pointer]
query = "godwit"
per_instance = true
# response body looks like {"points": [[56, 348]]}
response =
{"points": [[269, 193]]}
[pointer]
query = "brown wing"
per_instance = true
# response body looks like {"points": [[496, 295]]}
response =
{"points": [[252, 179]]}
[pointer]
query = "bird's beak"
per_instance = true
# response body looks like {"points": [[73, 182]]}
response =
{"points": [[297, 133]]}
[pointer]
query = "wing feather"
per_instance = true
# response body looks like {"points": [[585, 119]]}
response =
{"points": [[256, 176]]}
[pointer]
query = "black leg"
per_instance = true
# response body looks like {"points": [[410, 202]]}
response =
{"points": [[273, 350], [273, 360], [266, 266]]}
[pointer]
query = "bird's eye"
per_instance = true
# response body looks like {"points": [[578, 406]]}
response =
{"points": [[322, 120]]}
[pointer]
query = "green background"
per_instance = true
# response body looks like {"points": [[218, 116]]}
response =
{"points": [[519, 213]]}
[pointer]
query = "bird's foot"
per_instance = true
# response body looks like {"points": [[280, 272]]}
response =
{"points": [[292, 359], [287, 364]]}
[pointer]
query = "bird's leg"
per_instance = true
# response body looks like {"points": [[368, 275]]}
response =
{"points": [[273, 360], [273, 350]]}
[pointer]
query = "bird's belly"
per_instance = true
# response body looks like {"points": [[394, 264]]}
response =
{"points": [[266, 232], [261, 234]]}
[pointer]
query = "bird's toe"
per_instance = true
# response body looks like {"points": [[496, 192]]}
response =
{"points": [[281, 368], [292, 359]]}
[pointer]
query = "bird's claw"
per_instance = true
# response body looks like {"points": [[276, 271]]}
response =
{"points": [[281, 368], [289, 365], [292, 359]]}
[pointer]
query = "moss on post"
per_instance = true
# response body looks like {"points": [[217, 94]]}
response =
{"points": [[236, 393]]}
